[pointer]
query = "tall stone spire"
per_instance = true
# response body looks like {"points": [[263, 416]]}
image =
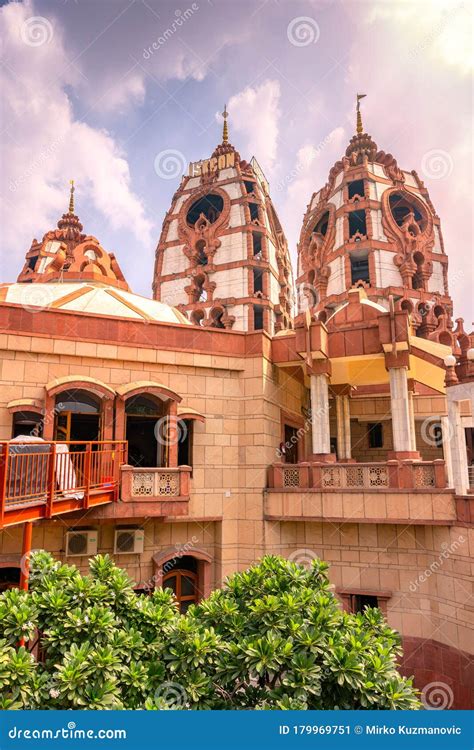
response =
{"points": [[71, 197], [225, 129], [360, 128]]}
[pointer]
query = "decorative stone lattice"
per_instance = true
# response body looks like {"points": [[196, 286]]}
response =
{"points": [[291, 477], [142, 484], [423, 476], [331, 476], [167, 484]]}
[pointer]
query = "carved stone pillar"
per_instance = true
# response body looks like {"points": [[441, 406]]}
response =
{"points": [[320, 416], [402, 415]]}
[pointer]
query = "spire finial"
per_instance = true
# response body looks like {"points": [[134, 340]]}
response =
{"points": [[225, 129], [360, 129], [71, 197]]}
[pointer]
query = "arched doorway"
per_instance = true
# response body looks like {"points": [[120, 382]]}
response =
{"points": [[188, 575], [182, 578], [145, 430]]}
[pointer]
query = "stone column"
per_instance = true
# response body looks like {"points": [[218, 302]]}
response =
{"points": [[343, 418], [457, 448], [320, 415], [172, 437], [446, 433], [412, 421], [346, 407], [402, 415]]}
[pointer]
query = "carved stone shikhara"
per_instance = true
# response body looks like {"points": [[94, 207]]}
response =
{"points": [[399, 240], [229, 268]]}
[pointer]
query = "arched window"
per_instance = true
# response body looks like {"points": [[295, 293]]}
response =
{"points": [[77, 416], [146, 430], [202, 258], [216, 317], [197, 317], [402, 206], [321, 226], [27, 423], [209, 205]]}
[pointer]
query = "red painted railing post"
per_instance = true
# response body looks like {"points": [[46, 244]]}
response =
{"points": [[25, 555], [87, 475], [117, 462], [3, 481], [51, 485]]}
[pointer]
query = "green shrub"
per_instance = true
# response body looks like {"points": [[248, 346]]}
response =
{"points": [[274, 637]]}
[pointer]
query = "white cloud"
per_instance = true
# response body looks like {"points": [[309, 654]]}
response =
{"points": [[45, 145], [254, 115], [439, 29]]}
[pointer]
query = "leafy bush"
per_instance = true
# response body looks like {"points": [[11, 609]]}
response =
{"points": [[274, 637]]}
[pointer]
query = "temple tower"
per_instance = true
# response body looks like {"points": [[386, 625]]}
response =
{"points": [[373, 226], [66, 254], [222, 257]]}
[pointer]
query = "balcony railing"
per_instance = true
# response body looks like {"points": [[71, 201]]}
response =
{"points": [[353, 476], [43, 479], [165, 489]]}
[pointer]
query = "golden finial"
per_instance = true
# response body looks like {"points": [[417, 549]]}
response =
{"points": [[360, 129], [71, 197], [225, 129]]}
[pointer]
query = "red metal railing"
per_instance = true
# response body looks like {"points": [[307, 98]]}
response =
{"points": [[40, 480]]}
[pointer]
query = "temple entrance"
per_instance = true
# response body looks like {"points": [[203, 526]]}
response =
{"points": [[77, 417], [146, 431]]}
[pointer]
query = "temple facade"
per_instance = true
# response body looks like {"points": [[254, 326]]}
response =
{"points": [[238, 414]]}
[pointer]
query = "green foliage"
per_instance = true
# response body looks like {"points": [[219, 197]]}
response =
{"points": [[274, 637]]}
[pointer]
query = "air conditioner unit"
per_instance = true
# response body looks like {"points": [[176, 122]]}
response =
{"points": [[129, 541], [81, 543]]}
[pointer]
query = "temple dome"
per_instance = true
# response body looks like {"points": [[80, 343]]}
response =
{"points": [[95, 299], [66, 253]]}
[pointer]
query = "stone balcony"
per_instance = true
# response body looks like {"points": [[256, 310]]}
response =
{"points": [[151, 492], [412, 492]]}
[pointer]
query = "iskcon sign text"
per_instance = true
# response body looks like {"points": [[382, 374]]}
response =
{"points": [[208, 166]]}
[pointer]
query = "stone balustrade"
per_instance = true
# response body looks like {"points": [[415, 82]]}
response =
{"points": [[413, 475]]}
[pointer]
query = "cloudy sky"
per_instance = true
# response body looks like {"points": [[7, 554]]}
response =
{"points": [[120, 94]]}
